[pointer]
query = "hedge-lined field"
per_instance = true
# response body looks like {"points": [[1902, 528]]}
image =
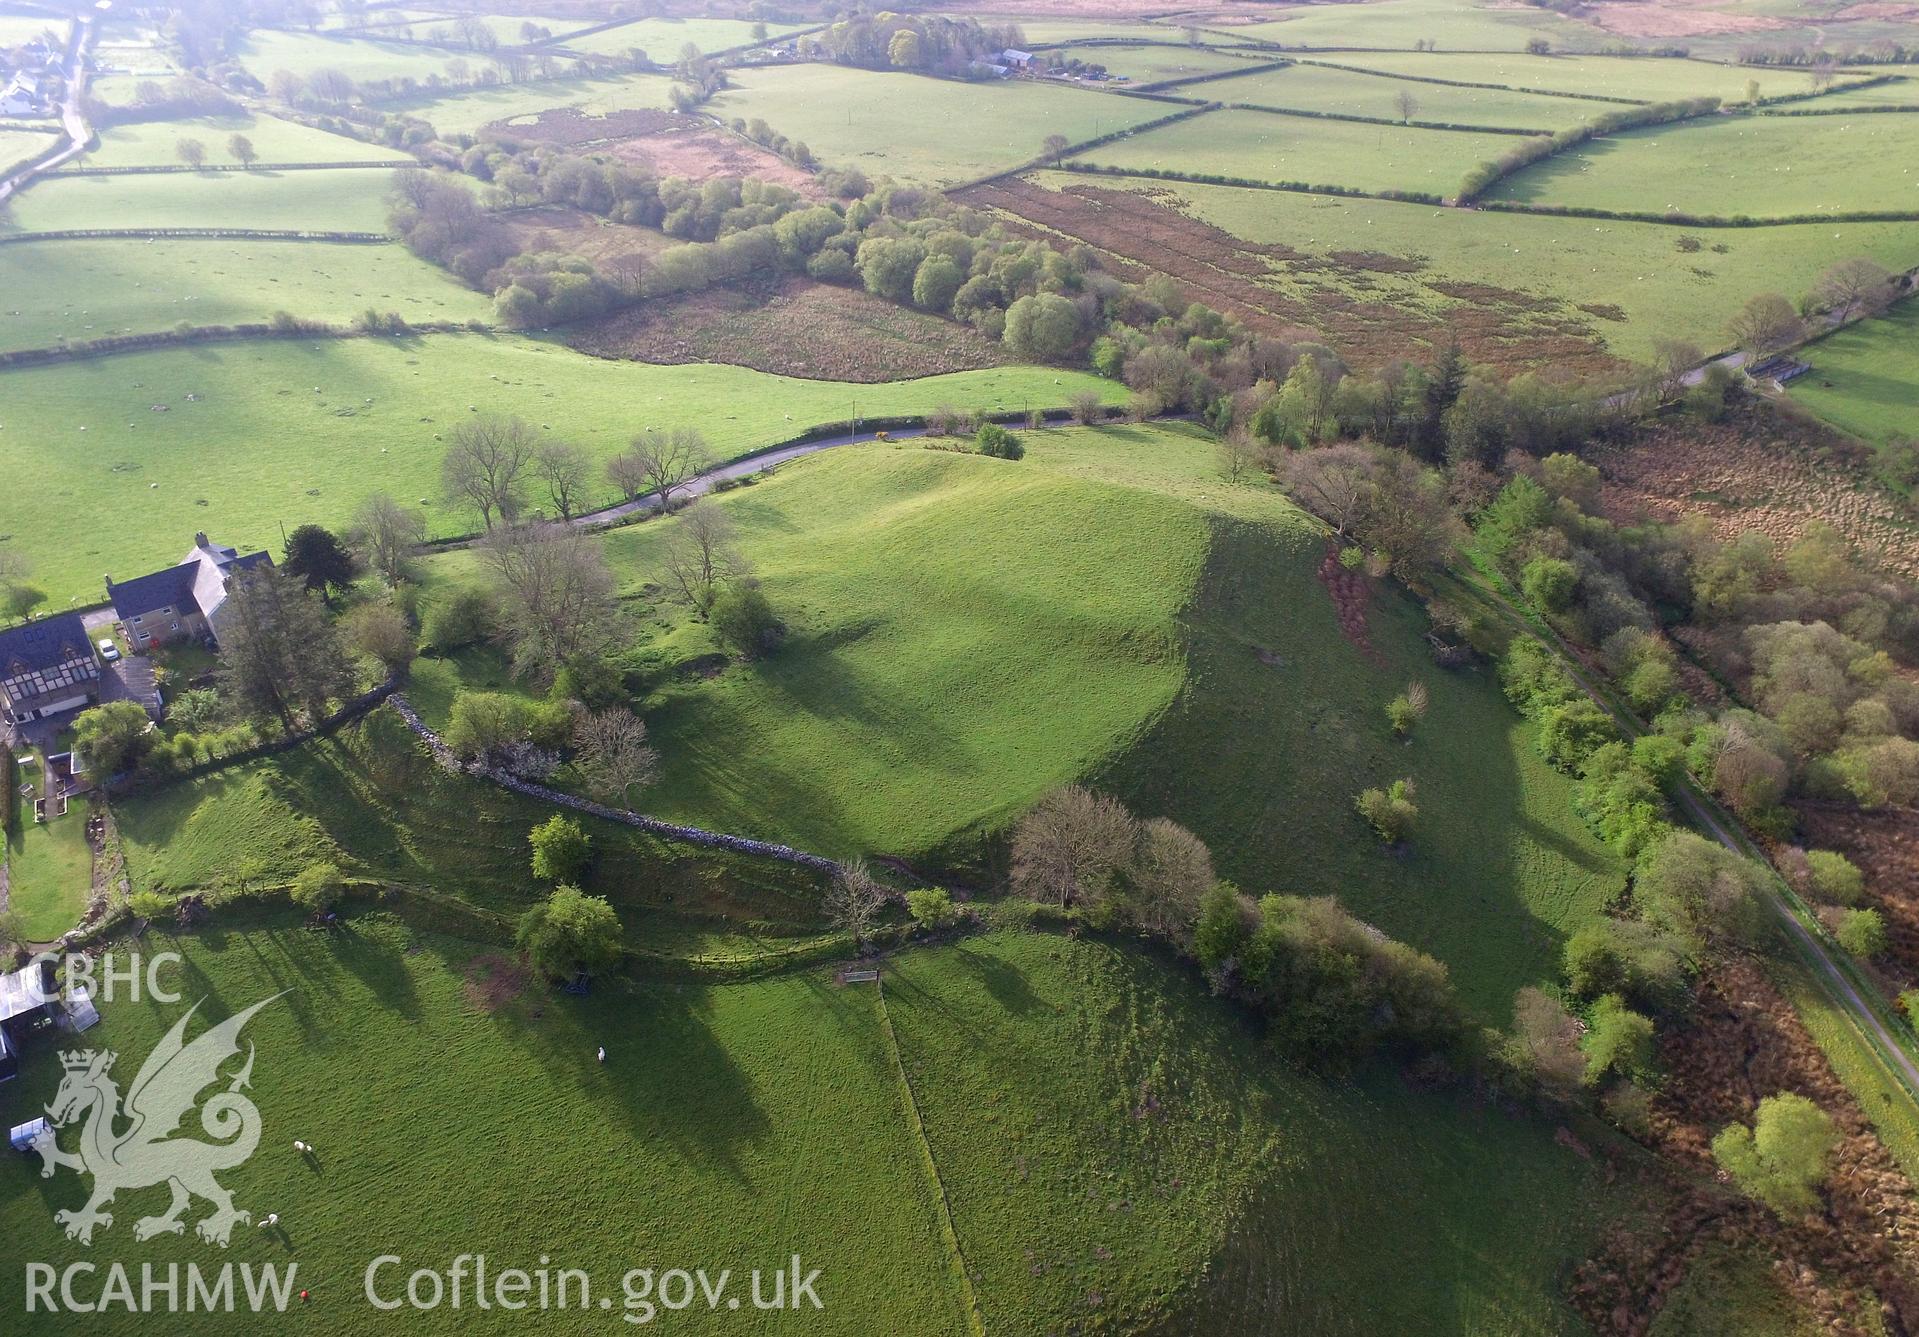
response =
{"points": [[663, 38], [1635, 78], [361, 59], [1321, 88], [927, 131], [1640, 268], [1761, 166], [343, 199], [1260, 146], [287, 430], [92, 289], [156, 143]]}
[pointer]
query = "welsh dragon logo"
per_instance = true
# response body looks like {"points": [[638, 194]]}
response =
{"points": [[133, 1147]]}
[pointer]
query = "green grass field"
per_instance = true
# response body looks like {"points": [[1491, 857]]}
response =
{"points": [[663, 38], [902, 125], [1638, 78], [1865, 379], [371, 801], [1636, 266], [465, 112], [1759, 166], [733, 1126], [19, 29], [1260, 146], [82, 290], [300, 432], [49, 873], [155, 143], [1398, 24], [17, 146], [1320, 88], [336, 199], [361, 59], [965, 634], [1148, 64], [1903, 91]]}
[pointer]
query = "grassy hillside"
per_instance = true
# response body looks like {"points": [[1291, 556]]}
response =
{"points": [[1098, 1124], [967, 633], [338, 199], [1321, 88], [81, 290], [1635, 78], [286, 431], [1865, 379], [155, 143]]}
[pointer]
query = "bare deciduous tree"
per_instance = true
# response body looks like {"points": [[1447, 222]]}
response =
{"points": [[1334, 482], [614, 755], [1671, 360], [1054, 147], [385, 533], [701, 554], [1547, 1038], [485, 466], [1069, 849], [665, 461], [1859, 286], [1172, 870], [1766, 324], [854, 901], [559, 594], [564, 468], [1406, 105]]}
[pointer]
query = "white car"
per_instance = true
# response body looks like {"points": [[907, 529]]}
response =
{"points": [[108, 650]]}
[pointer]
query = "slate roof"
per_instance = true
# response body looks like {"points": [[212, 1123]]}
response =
{"points": [[197, 584], [45, 643]]}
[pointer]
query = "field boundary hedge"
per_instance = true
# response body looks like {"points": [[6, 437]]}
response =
{"points": [[9, 793], [1467, 83], [154, 169], [1677, 219], [214, 334], [1243, 183], [1252, 67], [1900, 108], [1386, 120], [1188, 109], [1489, 174], [237, 233]]}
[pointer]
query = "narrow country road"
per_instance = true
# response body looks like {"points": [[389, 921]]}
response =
{"points": [[73, 117], [1835, 981]]}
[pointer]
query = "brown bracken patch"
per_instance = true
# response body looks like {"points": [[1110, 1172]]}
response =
{"points": [[795, 327], [699, 152], [1885, 845], [1279, 290], [1351, 594], [1742, 1043]]}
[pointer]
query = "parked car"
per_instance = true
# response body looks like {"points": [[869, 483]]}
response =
{"points": [[108, 650]]}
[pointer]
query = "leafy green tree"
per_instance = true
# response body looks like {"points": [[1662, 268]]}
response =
{"points": [[1041, 327], [1408, 708], [1697, 890], [561, 849], [569, 933], [113, 737], [744, 618], [1626, 957], [318, 887], [1618, 1042], [1783, 1158], [148, 906], [1389, 811], [1835, 879], [1863, 933], [995, 441], [1549, 582], [279, 654], [931, 907], [935, 282]]}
